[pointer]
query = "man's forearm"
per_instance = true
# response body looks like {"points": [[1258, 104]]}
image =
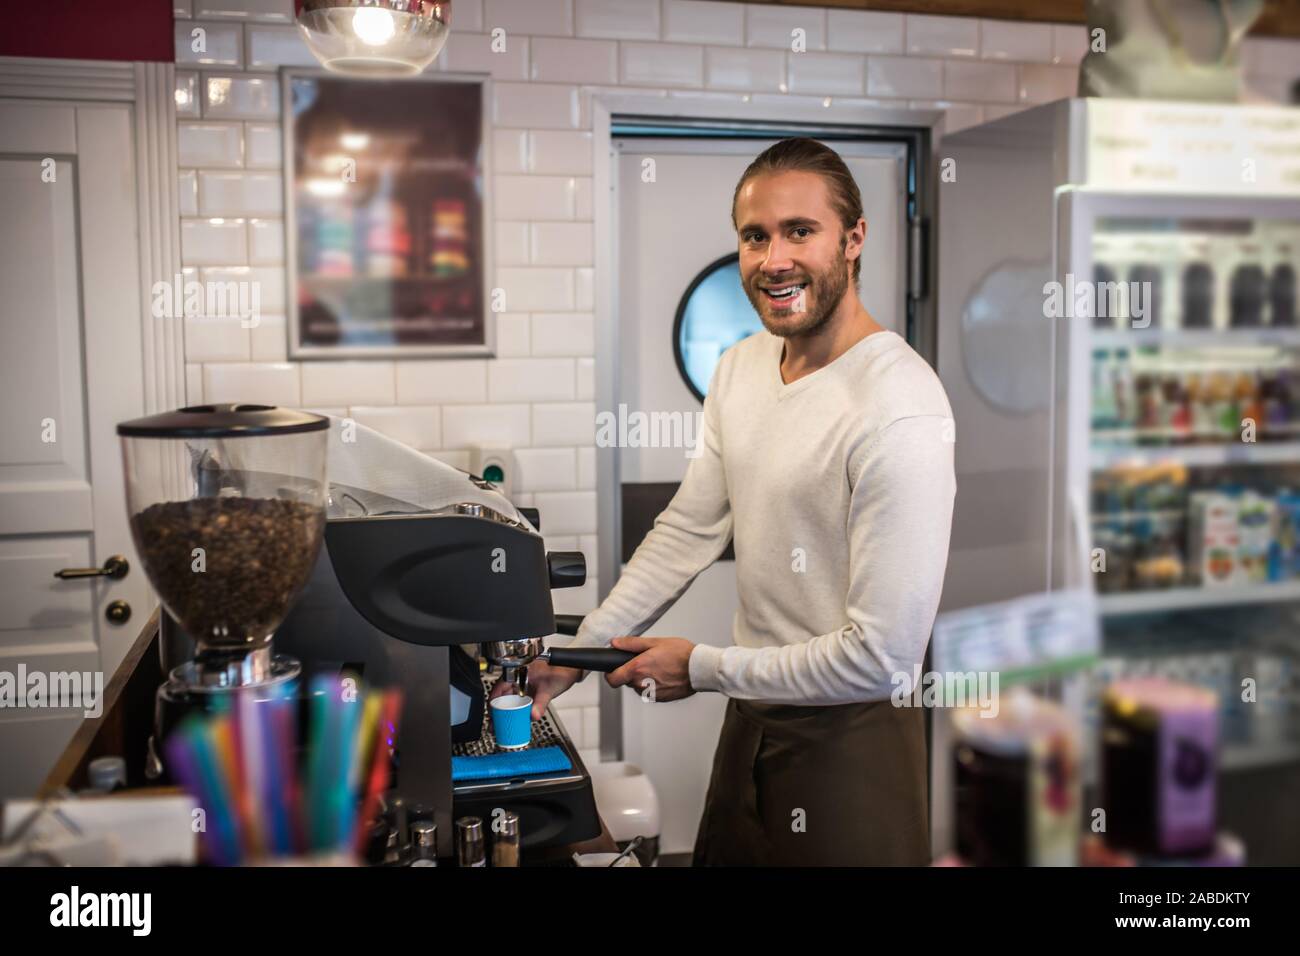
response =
{"points": [[663, 567]]}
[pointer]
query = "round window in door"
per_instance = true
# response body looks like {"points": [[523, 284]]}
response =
{"points": [[714, 315]]}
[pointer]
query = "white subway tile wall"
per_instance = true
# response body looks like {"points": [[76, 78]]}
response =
{"points": [[560, 60], [1043, 84], [504, 57], [836, 73], [904, 76], [268, 339], [199, 43], [512, 335], [502, 426], [698, 21], [786, 28], [511, 243], [266, 242], [617, 19], [510, 150], [216, 339], [417, 426], [546, 469], [240, 194], [349, 383], [747, 70], [584, 290], [662, 64], [547, 58], [187, 184], [219, 242], [231, 96], [854, 31], [533, 289], [263, 144], [187, 94], [266, 283], [942, 36], [210, 144], [1069, 43], [534, 197], [560, 244], [548, 18], [269, 47], [572, 423], [995, 81], [266, 383], [563, 333], [442, 382], [533, 104], [530, 380], [468, 16], [274, 11], [586, 389], [1023, 42]]}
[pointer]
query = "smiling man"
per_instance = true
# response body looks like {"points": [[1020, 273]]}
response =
{"points": [[827, 455]]}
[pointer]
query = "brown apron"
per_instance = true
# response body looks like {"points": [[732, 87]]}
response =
{"points": [[817, 786]]}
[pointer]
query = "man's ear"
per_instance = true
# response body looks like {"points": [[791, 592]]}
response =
{"points": [[855, 238]]}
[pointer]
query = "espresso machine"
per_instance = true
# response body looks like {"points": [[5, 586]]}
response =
{"points": [[443, 602]]}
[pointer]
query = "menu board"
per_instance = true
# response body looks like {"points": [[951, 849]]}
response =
{"points": [[387, 221], [1193, 147]]}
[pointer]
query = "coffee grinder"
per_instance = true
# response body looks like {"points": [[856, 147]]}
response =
{"points": [[227, 511]]}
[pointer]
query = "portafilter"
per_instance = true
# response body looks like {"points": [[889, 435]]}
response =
{"points": [[513, 657]]}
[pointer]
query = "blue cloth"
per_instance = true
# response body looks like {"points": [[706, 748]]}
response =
{"points": [[510, 763]]}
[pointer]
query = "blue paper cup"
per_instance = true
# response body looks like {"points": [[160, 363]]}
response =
{"points": [[512, 723]]}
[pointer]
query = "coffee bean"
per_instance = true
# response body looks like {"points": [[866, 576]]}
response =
{"points": [[258, 553]]}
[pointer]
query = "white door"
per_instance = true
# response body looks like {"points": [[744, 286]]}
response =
{"points": [[670, 229], [70, 369]]}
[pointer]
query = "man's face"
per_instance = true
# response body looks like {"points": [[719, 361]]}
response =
{"points": [[794, 254]]}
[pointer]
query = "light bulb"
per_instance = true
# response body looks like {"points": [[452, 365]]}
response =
{"points": [[373, 37], [373, 25]]}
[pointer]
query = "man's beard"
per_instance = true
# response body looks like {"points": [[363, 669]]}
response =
{"points": [[821, 295]]}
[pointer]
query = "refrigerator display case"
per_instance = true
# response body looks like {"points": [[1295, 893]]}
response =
{"points": [[1118, 338]]}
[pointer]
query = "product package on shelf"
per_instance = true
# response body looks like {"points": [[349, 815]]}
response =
{"points": [[1255, 523], [1214, 539], [1285, 556]]}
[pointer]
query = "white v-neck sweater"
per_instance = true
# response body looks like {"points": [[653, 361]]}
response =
{"points": [[838, 490]]}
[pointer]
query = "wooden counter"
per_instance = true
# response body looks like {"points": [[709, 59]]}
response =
{"points": [[126, 722], [124, 726]]}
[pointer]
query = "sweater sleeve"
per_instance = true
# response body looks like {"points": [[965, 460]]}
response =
{"points": [[687, 537], [900, 517]]}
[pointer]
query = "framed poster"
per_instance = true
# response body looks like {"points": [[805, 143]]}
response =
{"points": [[387, 217]]}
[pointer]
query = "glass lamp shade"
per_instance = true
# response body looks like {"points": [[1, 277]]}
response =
{"points": [[374, 37]]}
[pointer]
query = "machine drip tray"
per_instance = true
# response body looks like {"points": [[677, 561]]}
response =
{"points": [[547, 732]]}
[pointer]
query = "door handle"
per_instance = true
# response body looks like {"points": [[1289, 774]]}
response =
{"points": [[115, 567]]}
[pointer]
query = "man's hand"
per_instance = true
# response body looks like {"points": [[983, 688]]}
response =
{"points": [[664, 660], [544, 683]]}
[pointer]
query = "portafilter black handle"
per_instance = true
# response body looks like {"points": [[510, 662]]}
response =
{"points": [[603, 659]]}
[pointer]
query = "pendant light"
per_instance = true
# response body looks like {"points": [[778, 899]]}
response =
{"points": [[374, 37]]}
